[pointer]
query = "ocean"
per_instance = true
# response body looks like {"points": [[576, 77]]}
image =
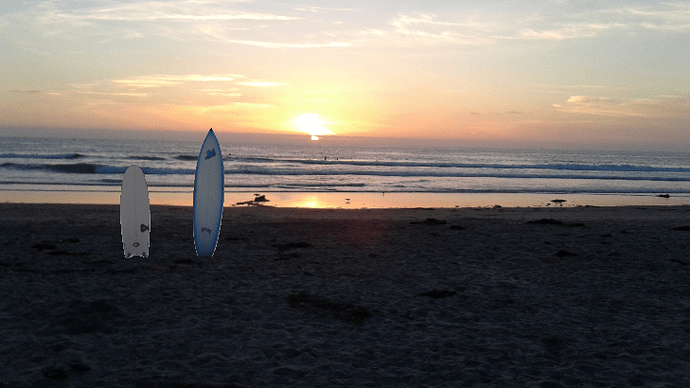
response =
{"points": [[65, 168]]}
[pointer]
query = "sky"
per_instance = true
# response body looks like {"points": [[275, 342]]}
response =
{"points": [[587, 74]]}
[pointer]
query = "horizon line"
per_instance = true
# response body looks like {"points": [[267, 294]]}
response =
{"points": [[327, 140]]}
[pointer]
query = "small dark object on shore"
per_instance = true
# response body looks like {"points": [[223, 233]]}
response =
{"points": [[545, 221], [438, 294], [258, 200], [429, 221], [59, 252], [664, 196], [344, 311], [79, 367], [43, 246], [564, 253], [55, 373], [293, 245], [551, 221]]}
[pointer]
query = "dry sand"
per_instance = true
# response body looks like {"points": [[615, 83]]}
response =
{"points": [[295, 297]]}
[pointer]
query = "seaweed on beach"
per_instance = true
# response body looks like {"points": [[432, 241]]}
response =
{"points": [[344, 311], [429, 221], [551, 221], [83, 317], [438, 294], [545, 221], [292, 245], [564, 253]]}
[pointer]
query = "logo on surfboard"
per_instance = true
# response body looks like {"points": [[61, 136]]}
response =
{"points": [[210, 153], [206, 230], [143, 228]]}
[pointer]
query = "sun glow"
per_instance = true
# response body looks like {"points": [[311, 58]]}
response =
{"points": [[312, 124]]}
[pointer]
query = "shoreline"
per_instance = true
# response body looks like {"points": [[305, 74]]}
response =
{"points": [[351, 200]]}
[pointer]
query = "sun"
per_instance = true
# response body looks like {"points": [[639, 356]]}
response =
{"points": [[312, 124]]}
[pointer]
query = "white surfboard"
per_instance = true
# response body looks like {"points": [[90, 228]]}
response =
{"points": [[135, 213], [209, 192]]}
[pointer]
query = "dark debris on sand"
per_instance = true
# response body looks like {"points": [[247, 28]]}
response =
{"points": [[344, 311], [429, 221], [43, 246], [564, 253], [438, 294], [545, 221], [293, 245], [99, 316], [551, 221]]}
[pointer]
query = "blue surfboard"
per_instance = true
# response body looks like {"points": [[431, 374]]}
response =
{"points": [[208, 196]]}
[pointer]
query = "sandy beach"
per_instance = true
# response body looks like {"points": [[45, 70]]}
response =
{"points": [[457, 297]]}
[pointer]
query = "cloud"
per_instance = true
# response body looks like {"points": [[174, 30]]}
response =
{"points": [[558, 29], [169, 96], [168, 89], [581, 88], [232, 92], [566, 32], [232, 22], [151, 11], [484, 29], [677, 97], [17, 91], [584, 86], [278, 45], [593, 105], [667, 27], [648, 107], [428, 29], [255, 24], [133, 35], [261, 84], [232, 106], [555, 22], [156, 81], [673, 17]]}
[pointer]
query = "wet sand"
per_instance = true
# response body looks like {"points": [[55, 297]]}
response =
{"points": [[524, 297]]}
